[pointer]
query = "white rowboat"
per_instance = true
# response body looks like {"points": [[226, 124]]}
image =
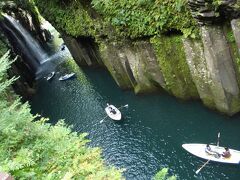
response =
{"points": [[113, 112], [199, 151], [50, 76], [66, 76]]}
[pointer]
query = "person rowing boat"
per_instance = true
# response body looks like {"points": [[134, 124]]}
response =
{"points": [[199, 151], [226, 153], [209, 151], [113, 112]]}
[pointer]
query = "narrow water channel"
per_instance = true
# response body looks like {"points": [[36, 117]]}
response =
{"points": [[153, 129]]}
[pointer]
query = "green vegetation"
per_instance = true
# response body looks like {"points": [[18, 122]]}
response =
{"points": [[33, 149], [69, 17], [3, 46], [146, 17], [172, 61], [3, 41], [128, 18], [230, 37], [163, 175]]}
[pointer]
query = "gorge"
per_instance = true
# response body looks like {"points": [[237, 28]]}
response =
{"points": [[205, 68], [191, 52]]}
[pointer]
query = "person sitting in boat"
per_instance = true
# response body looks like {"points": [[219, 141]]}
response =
{"points": [[113, 111], [208, 149], [226, 153]]}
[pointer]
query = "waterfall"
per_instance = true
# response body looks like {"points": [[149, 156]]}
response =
{"points": [[39, 61], [24, 43]]}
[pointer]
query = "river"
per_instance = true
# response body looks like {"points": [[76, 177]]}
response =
{"points": [[152, 132]]}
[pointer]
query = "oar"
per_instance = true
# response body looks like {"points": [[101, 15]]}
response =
{"points": [[103, 119], [209, 159], [126, 105], [218, 139], [202, 167]]}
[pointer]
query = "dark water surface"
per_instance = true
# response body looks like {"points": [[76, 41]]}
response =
{"points": [[150, 136]]}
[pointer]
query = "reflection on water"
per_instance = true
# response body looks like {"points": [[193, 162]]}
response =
{"points": [[153, 129]]}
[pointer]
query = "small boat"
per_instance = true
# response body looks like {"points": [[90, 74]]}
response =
{"points": [[199, 151], [113, 112], [50, 76], [66, 76]]}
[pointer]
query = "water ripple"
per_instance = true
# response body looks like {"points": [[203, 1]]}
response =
{"points": [[152, 132]]}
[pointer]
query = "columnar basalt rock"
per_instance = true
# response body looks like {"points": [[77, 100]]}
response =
{"points": [[172, 62], [218, 82], [133, 65], [114, 60], [198, 67], [84, 51], [235, 24], [224, 85]]}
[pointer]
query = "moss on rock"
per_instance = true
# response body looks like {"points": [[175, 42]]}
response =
{"points": [[119, 19], [233, 48], [73, 19], [172, 61]]}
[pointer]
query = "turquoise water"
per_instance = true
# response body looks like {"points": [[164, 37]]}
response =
{"points": [[153, 129]]}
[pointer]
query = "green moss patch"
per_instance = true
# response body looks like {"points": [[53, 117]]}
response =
{"points": [[72, 19], [172, 61]]}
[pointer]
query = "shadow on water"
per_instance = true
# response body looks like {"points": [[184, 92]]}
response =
{"points": [[152, 132]]}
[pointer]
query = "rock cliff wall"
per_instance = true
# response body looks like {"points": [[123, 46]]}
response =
{"points": [[206, 67]]}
